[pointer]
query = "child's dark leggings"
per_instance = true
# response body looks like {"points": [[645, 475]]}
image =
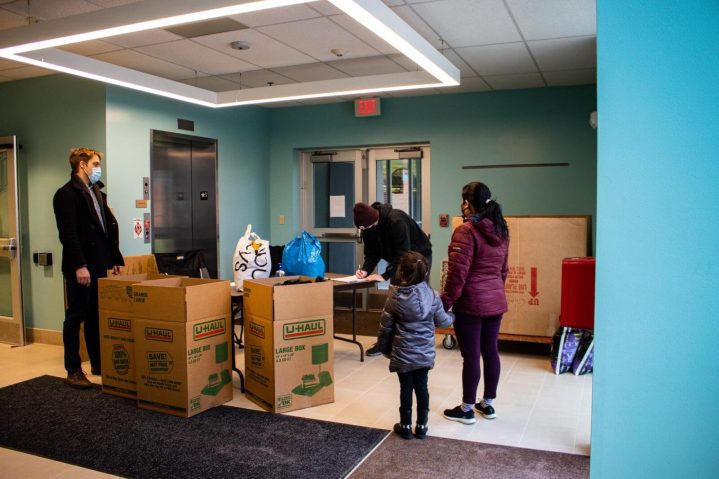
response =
{"points": [[414, 381]]}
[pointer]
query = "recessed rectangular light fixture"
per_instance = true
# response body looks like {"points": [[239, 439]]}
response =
{"points": [[36, 45]]}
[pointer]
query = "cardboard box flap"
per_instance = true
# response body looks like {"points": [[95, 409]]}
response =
{"points": [[181, 299], [291, 300], [115, 292]]}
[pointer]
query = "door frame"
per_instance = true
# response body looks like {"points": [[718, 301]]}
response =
{"points": [[181, 136], [12, 328]]}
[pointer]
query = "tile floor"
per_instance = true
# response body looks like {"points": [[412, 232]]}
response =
{"points": [[535, 408]]}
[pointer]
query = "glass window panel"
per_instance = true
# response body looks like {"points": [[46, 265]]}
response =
{"points": [[399, 184]]}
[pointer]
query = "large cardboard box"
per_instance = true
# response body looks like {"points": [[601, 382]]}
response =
{"points": [[117, 344], [183, 368], [183, 344], [289, 348], [537, 246]]}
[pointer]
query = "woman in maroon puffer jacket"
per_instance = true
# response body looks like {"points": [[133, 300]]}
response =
{"points": [[474, 291]]}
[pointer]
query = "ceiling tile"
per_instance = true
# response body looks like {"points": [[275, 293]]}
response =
{"points": [[197, 57], [393, 3], [586, 76], [272, 16], [49, 9], [264, 51], [565, 53], [258, 78], [404, 62], [27, 72], [464, 69], [325, 8], [146, 63], [92, 47], [513, 82], [498, 59], [558, 18], [11, 20], [212, 83], [367, 66], [419, 26], [311, 72], [465, 23], [467, 84], [317, 37], [141, 39], [112, 3], [361, 32]]}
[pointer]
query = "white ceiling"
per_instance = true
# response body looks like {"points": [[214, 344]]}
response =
{"points": [[496, 44]]}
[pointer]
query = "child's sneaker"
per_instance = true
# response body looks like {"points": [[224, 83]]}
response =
{"points": [[487, 412], [420, 431], [403, 430], [457, 414]]}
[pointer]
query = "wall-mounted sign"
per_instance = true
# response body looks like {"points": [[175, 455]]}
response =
{"points": [[367, 107]]}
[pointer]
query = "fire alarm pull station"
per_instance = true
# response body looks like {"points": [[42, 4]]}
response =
{"points": [[444, 220]]}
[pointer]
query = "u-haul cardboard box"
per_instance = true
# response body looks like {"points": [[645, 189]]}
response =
{"points": [[117, 345], [289, 349], [183, 368]]}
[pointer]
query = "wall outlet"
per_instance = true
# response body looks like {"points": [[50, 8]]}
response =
{"points": [[282, 219]]}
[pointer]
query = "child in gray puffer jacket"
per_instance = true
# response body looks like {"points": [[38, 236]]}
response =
{"points": [[406, 336]]}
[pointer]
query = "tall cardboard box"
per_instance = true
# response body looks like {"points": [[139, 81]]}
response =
{"points": [[289, 348], [183, 344], [537, 246], [117, 345]]}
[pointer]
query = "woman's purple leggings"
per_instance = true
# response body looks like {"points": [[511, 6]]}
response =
{"points": [[477, 336]]}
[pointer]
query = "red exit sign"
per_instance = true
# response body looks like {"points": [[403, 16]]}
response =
{"points": [[367, 107]]}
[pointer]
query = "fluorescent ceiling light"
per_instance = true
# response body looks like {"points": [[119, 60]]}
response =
{"points": [[34, 44]]}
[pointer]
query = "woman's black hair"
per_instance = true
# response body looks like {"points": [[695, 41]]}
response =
{"points": [[412, 269], [480, 198]]}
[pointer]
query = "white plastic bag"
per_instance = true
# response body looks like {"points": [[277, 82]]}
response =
{"points": [[251, 259]]}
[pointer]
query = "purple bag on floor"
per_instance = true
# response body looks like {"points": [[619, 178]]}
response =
{"points": [[564, 347], [584, 359]]}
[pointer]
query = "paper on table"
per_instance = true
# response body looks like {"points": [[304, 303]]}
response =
{"points": [[350, 279]]}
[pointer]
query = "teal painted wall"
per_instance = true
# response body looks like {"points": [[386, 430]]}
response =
{"points": [[49, 115], [527, 126], [242, 141], [655, 388]]}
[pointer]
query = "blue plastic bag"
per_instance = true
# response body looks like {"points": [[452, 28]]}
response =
{"points": [[303, 255]]}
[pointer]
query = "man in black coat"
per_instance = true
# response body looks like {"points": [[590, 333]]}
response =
{"points": [[387, 234], [90, 246]]}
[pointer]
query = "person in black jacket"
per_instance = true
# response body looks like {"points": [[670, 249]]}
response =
{"points": [[406, 335], [387, 234], [90, 246]]}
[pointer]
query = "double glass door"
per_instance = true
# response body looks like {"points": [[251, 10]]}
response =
{"points": [[334, 180], [12, 328]]}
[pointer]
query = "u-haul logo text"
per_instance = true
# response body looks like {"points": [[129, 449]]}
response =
{"points": [[208, 329], [157, 334], [256, 330], [119, 324], [304, 329]]}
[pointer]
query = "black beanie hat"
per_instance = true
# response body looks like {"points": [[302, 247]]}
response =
{"points": [[365, 215]]}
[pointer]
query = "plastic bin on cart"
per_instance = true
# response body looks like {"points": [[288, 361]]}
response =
{"points": [[577, 306]]}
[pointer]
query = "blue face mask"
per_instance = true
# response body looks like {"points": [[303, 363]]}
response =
{"points": [[94, 177]]}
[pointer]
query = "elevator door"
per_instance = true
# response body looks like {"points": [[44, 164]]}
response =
{"points": [[184, 195]]}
